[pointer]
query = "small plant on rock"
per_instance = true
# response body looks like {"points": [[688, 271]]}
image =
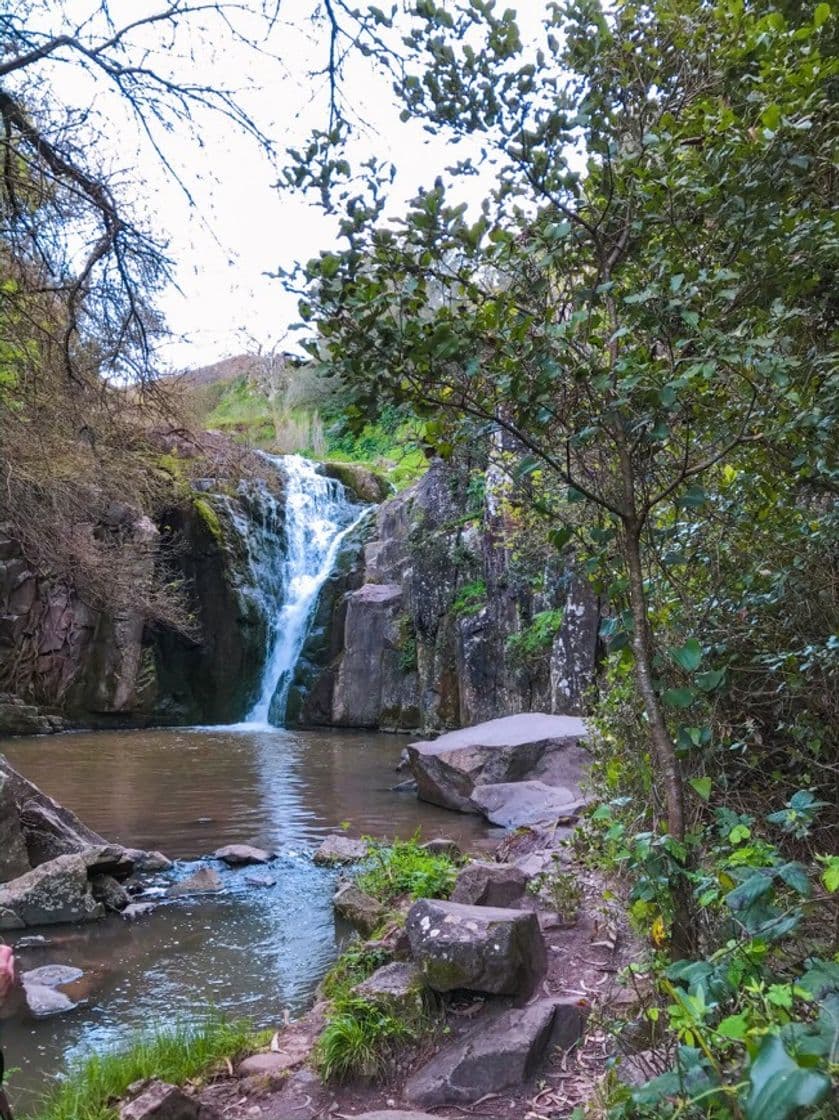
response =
{"points": [[406, 868], [561, 890]]}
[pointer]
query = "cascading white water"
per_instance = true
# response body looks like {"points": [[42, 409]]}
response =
{"points": [[318, 516]]}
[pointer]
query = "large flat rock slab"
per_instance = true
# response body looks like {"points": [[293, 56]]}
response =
{"points": [[514, 804], [531, 745], [479, 948], [498, 1054]]}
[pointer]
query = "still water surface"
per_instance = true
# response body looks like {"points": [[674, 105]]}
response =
{"points": [[250, 951]]}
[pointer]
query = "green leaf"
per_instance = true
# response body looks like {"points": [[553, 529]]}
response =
{"points": [[734, 1026], [795, 876], [679, 697], [771, 117], [830, 875], [559, 538], [779, 1086], [689, 655], [710, 680], [702, 786], [755, 887], [821, 15]]}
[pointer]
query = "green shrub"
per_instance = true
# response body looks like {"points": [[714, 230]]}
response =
{"points": [[405, 868], [537, 638], [176, 1055], [470, 599]]}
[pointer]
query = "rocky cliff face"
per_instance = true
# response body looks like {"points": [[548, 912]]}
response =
{"points": [[63, 661], [429, 624]]}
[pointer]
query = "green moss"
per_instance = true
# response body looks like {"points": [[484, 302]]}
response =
{"points": [[209, 517]]}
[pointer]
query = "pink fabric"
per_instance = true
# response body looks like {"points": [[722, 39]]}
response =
{"points": [[7, 971]]}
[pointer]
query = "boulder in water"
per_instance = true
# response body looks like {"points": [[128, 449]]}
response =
{"points": [[242, 855], [44, 1001], [203, 881], [14, 860], [337, 848], [511, 749], [359, 909], [52, 975]]}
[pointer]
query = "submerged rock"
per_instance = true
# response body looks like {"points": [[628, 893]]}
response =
{"points": [[480, 948], [496, 1055], [52, 975], [149, 862], [511, 749], [109, 892], [337, 848], [242, 855], [44, 1001]]}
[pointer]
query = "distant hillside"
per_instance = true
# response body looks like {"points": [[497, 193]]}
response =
{"points": [[224, 370]]}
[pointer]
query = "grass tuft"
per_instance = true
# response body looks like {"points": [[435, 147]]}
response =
{"points": [[405, 868], [176, 1055]]}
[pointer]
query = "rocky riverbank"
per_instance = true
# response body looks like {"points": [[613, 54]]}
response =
{"points": [[485, 966]]}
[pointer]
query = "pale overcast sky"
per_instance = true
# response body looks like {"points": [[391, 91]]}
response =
{"points": [[241, 227]]}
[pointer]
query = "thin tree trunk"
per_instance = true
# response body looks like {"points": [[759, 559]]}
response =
{"points": [[663, 747]]}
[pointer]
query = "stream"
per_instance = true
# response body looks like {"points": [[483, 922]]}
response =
{"points": [[250, 951]]}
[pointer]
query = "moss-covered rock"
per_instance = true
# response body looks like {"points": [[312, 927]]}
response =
{"points": [[367, 485]]}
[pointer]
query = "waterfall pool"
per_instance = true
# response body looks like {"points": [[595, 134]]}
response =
{"points": [[250, 951]]}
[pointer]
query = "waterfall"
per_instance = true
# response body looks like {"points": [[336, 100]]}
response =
{"points": [[318, 516]]}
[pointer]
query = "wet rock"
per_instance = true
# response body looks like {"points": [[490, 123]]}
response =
{"points": [[260, 880], [149, 862], [398, 988], [136, 910], [359, 909], [54, 892], [516, 804], [480, 948], [337, 849], [159, 1101], [44, 1001], [14, 860], [496, 1055], [510, 749], [109, 892], [52, 975], [203, 881], [364, 483], [35, 941], [490, 884], [440, 846], [408, 786], [49, 829], [242, 855], [108, 859]]}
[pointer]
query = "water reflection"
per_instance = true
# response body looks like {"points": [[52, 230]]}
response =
{"points": [[251, 951]]}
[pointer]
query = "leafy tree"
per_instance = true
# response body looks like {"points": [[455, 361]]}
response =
{"points": [[647, 300]]}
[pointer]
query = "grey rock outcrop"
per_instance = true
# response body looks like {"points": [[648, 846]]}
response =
{"points": [[479, 948], [54, 892], [490, 884], [14, 859], [496, 1055], [160, 1101], [511, 749], [415, 633]]}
